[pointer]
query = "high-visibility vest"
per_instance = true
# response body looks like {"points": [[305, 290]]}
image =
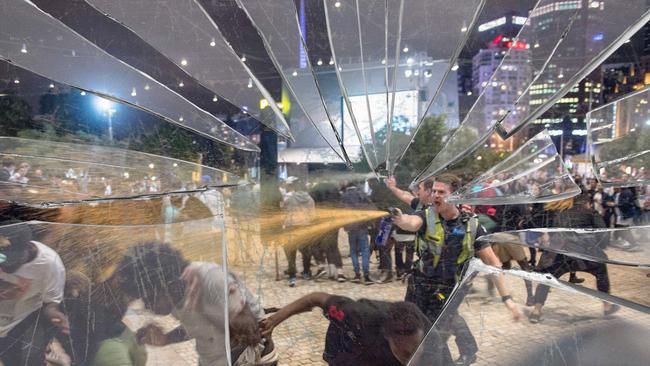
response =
{"points": [[434, 239]]}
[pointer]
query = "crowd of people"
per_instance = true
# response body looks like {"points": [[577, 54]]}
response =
{"points": [[429, 239]]}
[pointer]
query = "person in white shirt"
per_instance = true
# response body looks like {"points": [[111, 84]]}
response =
{"points": [[194, 293], [32, 279]]}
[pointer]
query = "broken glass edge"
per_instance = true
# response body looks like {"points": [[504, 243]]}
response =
{"points": [[365, 82], [581, 74], [523, 198], [107, 149], [490, 238], [146, 196], [249, 145], [278, 66], [259, 86], [476, 266], [391, 107], [345, 93], [452, 61]]}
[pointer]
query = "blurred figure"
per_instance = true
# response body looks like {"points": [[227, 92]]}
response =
{"points": [[300, 210], [32, 278], [367, 332], [7, 171], [20, 175], [580, 215], [327, 195], [354, 198], [194, 293]]}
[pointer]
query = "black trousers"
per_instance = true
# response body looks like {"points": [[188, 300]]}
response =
{"points": [[566, 265], [430, 298], [404, 263]]}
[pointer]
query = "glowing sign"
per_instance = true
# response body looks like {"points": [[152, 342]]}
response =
{"points": [[519, 20], [492, 24]]}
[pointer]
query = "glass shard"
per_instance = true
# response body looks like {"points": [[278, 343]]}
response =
{"points": [[113, 281], [278, 25], [558, 56], [619, 141], [533, 173], [76, 172], [621, 246], [564, 55], [577, 327], [183, 31], [53, 50]]}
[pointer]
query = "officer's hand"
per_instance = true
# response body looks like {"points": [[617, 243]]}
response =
{"points": [[391, 182]]}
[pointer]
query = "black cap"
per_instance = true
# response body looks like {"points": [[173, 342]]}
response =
{"points": [[14, 240]]}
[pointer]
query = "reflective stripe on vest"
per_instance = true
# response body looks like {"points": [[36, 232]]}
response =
{"points": [[434, 238]]}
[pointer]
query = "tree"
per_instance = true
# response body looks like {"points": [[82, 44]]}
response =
{"points": [[15, 115]]}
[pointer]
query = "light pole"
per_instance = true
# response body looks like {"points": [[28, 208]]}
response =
{"points": [[105, 106]]}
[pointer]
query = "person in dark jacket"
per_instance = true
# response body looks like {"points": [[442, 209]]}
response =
{"points": [[353, 197], [580, 215]]}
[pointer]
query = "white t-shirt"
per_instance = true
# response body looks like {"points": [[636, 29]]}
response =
{"points": [[207, 325], [46, 276]]}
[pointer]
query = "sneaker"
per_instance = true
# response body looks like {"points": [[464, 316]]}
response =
{"points": [[306, 276], [320, 273], [292, 282], [367, 280], [534, 318], [465, 360], [341, 278], [357, 278]]}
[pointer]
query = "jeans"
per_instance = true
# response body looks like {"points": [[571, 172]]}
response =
{"points": [[358, 240]]}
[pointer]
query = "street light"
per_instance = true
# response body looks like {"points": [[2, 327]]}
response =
{"points": [[105, 106]]}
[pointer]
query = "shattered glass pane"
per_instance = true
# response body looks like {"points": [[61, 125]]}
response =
{"points": [[389, 55], [557, 57], [196, 45], [623, 246], [288, 226], [577, 327], [533, 173], [561, 53], [428, 64], [619, 135], [76, 172], [121, 284], [37, 42], [278, 26]]}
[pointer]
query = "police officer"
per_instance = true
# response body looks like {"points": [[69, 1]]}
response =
{"points": [[445, 242]]}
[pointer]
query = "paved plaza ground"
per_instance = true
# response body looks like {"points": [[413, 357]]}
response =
{"points": [[501, 341]]}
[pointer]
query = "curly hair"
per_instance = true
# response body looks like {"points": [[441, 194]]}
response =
{"points": [[405, 319], [149, 267]]}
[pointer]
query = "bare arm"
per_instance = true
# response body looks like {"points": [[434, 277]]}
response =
{"points": [[303, 304], [488, 257], [411, 223], [403, 196]]}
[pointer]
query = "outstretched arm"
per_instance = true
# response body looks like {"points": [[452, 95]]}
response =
{"points": [[411, 223], [488, 257], [403, 196], [303, 304]]}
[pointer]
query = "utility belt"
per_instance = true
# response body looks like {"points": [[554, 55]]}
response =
{"points": [[438, 289]]}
